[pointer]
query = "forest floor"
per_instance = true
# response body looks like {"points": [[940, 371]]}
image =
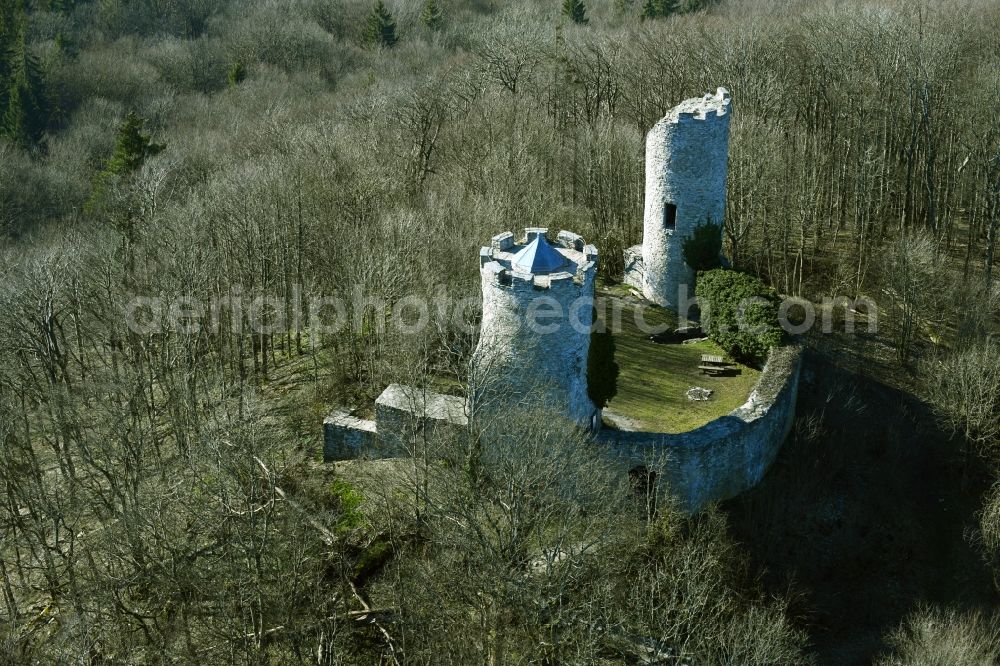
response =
{"points": [[654, 378], [867, 514]]}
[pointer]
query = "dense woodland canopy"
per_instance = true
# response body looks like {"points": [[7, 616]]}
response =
{"points": [[162, 496]]}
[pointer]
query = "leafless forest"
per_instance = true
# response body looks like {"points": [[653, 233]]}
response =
{"points": [[163, 499]]}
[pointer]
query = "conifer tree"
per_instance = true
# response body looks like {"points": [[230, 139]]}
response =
{"points": [[575, 10], [6, 37], [381, 27], [650, 10], [237, 73], [132, 146], [24, 113], [668, 7], [657, 9], [6, 27], [431, 15], [64, 6]]}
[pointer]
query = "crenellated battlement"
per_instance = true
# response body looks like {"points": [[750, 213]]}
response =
{"points": [[537, 264], [709, 107]]}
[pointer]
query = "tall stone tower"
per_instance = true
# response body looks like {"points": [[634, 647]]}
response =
{"points": [[537, 313], [687, 155]]}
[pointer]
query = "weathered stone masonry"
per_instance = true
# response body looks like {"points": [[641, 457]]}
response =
{"points": [[406, 413], [547, 364], [687, 156], [402, 414], [727, 456], [719, 460], [346, 437]]}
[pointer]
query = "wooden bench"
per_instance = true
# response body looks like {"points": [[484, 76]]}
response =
{"points": [[712, 364]]}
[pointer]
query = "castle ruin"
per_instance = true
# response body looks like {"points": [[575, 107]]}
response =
{"points": [[687, 158], [538, 298]]}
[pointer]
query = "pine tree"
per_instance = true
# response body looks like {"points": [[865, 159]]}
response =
{"points": [[657, 9], [24, 115], [381, 27], [132, 146], [237, 73], [575, 10], [6, 38], [668, 7], [6, 26], [431, 15], [64, 6]]}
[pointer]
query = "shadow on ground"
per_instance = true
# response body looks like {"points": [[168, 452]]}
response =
{"points": [[865, 515]]}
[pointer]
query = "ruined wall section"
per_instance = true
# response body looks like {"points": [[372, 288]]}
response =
{"points": [[635, 270], [346, 437], [404, 415]]}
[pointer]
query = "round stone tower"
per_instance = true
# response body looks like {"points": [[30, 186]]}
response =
{"points": [[537, 314], [687, 155]]}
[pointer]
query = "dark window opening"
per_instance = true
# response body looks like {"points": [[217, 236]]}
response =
{"points": [[669, 216]]}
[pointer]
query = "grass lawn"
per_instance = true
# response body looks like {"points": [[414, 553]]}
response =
{"points": [[653, 379]]}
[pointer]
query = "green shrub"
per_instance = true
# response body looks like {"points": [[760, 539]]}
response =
{"points": [[602, 370], [740, 313], [703, 250], [348, 501], [237, 73]]}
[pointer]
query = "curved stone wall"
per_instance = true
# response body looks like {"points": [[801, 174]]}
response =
{"points": [[726, 456]]}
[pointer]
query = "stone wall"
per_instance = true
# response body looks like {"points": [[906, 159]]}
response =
{"points": [[346, 437], [719, 460], [402, 413], [635, 270], [687, 158], [726, 456]]}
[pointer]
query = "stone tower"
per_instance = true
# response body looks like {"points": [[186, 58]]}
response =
{"points": [[537, 313], [687, 155]]}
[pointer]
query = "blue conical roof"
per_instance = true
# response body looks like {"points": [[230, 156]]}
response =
{"points": [[538, 257]]}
